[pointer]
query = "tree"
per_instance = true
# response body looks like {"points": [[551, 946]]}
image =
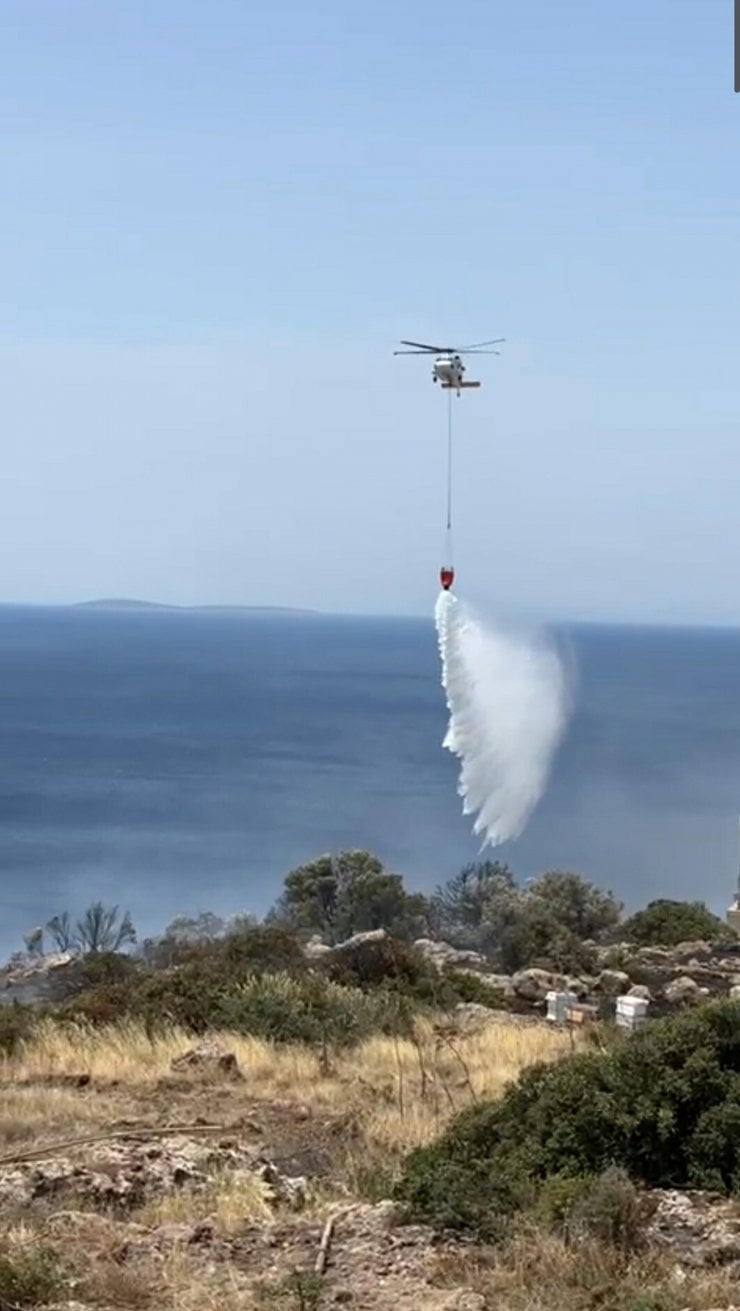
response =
{"points": [[337, 896], [100, 930], [62, 931], [665, 923], [34, 942], [203, 927], [575, 904], [460, 905]]}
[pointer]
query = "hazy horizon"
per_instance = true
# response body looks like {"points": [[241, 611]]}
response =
{"points": [[557, 621]]}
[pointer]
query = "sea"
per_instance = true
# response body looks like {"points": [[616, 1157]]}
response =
{"points": [[170, 761]]}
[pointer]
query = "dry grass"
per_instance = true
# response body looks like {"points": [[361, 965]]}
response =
{"points": [[400, 1093], [228, 1200], [536, 1271]]}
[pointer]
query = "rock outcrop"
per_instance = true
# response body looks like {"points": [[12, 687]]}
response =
{"points": [[34, 979]]}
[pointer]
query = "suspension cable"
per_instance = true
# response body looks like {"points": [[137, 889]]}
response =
{"points": [[449, 460]]}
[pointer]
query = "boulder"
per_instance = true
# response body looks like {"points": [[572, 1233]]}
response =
{"points": [[34, 978], [683, 990], [471, 1016], [699, 1229], [445, 956], [207, 1057], [316, 948], [357, 939], [640, 990], [614, 955], [613, 983], [533, 985]]}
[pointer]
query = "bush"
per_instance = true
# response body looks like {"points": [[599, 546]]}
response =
{"points": [[283, 1009], [474, 988], [30, 1278], [544, 923], [384, 962], [16, 1026], [535, 937], [665, 923], [606, 1207], [98, 970], [577, 905], [190, 992], [279, 1006], [246, 947], [664, 1106]]}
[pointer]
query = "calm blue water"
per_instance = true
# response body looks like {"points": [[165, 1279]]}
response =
{"points": [[174, 761]]}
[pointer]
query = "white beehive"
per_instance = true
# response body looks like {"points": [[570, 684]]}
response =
{"points": [[558, 1005], [631, 1011]]}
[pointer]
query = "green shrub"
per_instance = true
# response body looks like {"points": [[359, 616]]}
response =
{"points": [[383, 962], [30, 1277], [105, 1004], [190, 992], [247, 947], [665, 923], [535, 938], [475, 988], [664, 1106], [16, 1026], [103, 969], [284, 1009], [276, 1006], [607, 1207], [576, 904]]}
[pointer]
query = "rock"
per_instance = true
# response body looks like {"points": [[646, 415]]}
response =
{"points": [[640, 990], [684, 990], [735, 992], [35, 978], [290, 1189], [207, 1057], [699, 1229], [446, 957], [696, 952], [121, 1176], [580, 987], [316, 948], [357, 939], [613, 956], [534, 985], [652, 956], [387, 1214], [613, 983], [472, 1015]]}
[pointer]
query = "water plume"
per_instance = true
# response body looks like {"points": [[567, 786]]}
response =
{"points": [[508, 699]]}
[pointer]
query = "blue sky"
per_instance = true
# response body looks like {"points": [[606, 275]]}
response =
{"points": [[218, 219]]}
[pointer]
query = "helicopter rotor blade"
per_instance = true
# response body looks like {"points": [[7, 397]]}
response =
{"points": [[475, 345], [421, 345], [478, 352], [414, 352]]}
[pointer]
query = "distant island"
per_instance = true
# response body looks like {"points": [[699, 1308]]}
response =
{"points": [[134, 603]]}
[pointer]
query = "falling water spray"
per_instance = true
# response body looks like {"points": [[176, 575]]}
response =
{"points": [[508, 701]]}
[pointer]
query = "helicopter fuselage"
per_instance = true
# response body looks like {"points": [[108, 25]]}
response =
{"points": [[448, 371]]}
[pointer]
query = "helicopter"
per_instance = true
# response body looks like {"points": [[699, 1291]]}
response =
{"points": [[448, 366]]}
